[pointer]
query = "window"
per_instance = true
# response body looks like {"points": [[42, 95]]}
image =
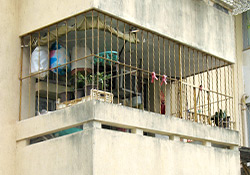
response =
{"points": [[246, 29]]}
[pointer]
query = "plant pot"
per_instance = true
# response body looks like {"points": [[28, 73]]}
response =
{"points": [[62, 96]]}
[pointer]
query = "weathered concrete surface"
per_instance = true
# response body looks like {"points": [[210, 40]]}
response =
{"points": [[99, 151], [9, 84], [238, 80], [122, 116], [57, 120], [37, 14], [123, 153], [190, 21], [71, 154]]}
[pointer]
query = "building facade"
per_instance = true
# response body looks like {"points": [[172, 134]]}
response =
{"points": [[161, 82]]}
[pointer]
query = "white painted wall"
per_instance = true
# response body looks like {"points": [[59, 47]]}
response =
{"points": [[9, 84], [192, 22]]}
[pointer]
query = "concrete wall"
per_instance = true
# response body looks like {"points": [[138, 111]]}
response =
{"points": [[246, 73], [190, 21], [122, 153], [9, 84], [98, 151], [238, 81], [27, 15], [70, 154], [37, 14]]}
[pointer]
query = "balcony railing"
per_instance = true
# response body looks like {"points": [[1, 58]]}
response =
{"points": [[97, 56]]}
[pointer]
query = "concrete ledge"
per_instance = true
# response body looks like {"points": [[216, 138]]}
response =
{"points": [[126, 117], [149, 121], [54, 121]]}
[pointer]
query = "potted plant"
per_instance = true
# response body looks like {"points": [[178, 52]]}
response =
{"points": [[100, 77], [81, 79]]}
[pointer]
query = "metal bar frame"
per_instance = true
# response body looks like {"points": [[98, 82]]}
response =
{"points": [[183, 82]]}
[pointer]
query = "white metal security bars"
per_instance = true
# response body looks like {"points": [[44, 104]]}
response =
{"points": [[237, 6], [125, 64]]}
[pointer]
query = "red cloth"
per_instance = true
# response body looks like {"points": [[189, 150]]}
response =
{"points": [[162, 108]]}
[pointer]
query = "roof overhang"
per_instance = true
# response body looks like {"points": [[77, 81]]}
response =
{"points": [[236, 6]]}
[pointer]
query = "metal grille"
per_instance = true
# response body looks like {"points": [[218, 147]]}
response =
{"points": [[138, 68], [237, 6]]}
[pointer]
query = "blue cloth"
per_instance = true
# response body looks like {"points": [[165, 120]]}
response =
{"points": [[67, 131]]}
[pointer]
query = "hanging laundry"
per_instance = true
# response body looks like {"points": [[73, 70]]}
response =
{"points": [[163, 107]]}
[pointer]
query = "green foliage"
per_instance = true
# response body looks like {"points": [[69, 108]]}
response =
{"points": [[100, 77]]}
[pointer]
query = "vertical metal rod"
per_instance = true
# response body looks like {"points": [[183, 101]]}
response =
{"points": [[98, 59], [184, 87], [57, 60], [93, 50], [199, 83], [213, 83], [194, 89], [148, 72], [232, 101], [85, 54], [136, 74], [180, 73], [21, 83], [221, 92], [124, 60], [159, 82], [169, 67], [66, 88], [142, 67], [176, 83], [229, 93], [154, 67], [130, 63], [48, 36], [30, 72], [165, 73], [195, 106], [190, 92], [217, 85], [111, 48], [117, 66], [225, 75], [203, 92], [38, 83], [76, 59], [208, 93], [104, 83]]}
